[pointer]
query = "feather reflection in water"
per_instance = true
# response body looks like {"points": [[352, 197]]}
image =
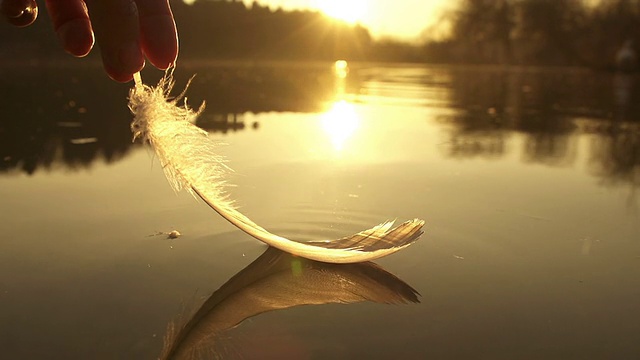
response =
{"points": [[190, 162], [278, 280]]}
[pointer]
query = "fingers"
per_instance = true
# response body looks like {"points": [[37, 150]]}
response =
{"points": [[116, 27], [19, 12], [71, 23], [125, 30], [158, 32]]}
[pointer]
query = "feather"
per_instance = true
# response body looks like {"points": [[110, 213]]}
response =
{"points": [[275, 281], [190, 162]]}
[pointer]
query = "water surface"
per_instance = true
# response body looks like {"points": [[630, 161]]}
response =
{"points": [[528, 180]]}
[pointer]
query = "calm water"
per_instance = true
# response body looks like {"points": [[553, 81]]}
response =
{"points": [[528, 180]]}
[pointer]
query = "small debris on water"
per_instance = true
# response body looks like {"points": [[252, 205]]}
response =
{"points": [[69, 124], [458, 257], [82, 141], [174, 234]]}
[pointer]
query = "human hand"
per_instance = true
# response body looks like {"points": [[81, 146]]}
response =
{"points": [[127, 31]]}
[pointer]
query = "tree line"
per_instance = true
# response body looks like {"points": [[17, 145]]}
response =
{"points": [[520, 32], [230, 29], [224, 29], [537, 32]]}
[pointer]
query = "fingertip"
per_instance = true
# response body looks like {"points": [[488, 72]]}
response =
{"points": [[121, 78], [76, 37], [130, 57], [20, 14], [163, 59], [163, 62], [122, 75], [159, 40]]}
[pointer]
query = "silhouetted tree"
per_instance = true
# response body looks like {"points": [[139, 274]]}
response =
{"points": [[224, 29], [550, 31], [221, 29], [482, 31], [540, 32]]}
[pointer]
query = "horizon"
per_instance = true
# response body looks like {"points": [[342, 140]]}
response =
{"points": [[406, 20]]}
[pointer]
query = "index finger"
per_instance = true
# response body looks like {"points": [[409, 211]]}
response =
{"points": [[116, 27], [158, 36]]}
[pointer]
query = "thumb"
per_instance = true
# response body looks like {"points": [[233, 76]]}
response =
{"points": [[19, 12]]}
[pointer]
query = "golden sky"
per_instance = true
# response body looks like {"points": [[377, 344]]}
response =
{"points": [[404, 19]]}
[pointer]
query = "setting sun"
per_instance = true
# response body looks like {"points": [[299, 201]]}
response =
{"points": [[351, 11]]}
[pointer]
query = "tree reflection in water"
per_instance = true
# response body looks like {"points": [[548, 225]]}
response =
{"points": [[77, 116], [550, 109]]}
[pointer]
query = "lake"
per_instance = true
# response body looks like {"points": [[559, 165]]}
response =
{"points": [[528, 180]]}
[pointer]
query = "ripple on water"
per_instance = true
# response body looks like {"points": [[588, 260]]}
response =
{"points": [[307, 222]]}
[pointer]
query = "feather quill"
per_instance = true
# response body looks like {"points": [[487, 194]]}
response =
{"points": [[190, 162]]}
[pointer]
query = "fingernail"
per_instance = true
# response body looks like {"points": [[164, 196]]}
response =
{"points": [[15, 9], [20, 13], [130, 57]]}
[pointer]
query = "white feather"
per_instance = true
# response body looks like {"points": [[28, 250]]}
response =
{"points": [[189, 161]]}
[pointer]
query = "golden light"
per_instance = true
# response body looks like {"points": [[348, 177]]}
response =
{"points": [[341, 69], [348, 10], [339, 123]]}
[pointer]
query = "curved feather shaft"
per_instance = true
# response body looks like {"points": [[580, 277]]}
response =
{"points": [[189, 161]]}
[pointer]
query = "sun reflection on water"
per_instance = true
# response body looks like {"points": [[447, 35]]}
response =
{"points": [[341, 69], [340, 122]]}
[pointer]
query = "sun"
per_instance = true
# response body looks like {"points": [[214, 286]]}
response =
{"points": [[351, 11]]}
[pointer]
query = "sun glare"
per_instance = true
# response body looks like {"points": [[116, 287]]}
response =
{"points": [[348, 10], [340, 123]]}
